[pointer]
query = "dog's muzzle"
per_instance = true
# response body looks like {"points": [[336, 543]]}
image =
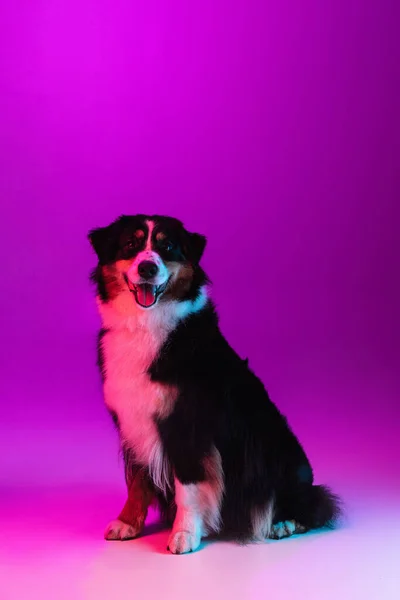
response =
{"points": [[146, 294]]}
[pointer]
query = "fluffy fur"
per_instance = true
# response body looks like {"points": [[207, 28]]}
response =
{"points": [[198, 430]]}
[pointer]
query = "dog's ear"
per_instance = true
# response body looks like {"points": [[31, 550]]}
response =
{"points": [[196, 246], [103, 242]]}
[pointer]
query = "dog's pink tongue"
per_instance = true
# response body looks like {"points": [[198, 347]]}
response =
{"points": [[146, 294]]}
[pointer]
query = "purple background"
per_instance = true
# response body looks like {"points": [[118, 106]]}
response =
{"points": [[271, 128]]}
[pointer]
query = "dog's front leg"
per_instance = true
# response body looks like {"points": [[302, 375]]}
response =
{"points": [[198, 503], [132, 517], [188, 527], [187, 438]]}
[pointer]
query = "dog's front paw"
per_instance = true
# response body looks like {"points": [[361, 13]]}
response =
{"points": [[181, 542], [118, 530]]}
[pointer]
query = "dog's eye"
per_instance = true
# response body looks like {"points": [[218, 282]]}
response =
{"points": [[128, 247], [166, 245]]}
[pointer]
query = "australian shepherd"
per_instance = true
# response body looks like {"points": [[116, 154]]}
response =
{"points": [[199, 433]]}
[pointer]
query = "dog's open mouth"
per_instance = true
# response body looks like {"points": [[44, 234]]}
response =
{"points": [[146, 294]]}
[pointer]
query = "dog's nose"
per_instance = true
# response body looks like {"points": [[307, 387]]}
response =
{"points": [[147, 269]]}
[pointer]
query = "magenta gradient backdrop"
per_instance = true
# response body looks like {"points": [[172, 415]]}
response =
{"points": [[273, 128]]}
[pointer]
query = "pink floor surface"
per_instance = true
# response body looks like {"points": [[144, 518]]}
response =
{"points": [[53, 549], [52, 545]]}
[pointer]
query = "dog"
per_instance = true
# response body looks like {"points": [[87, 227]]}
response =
{"points": [[199, 433]]}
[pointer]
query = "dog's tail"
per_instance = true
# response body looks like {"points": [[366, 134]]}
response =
{"points": [[317, 506]]}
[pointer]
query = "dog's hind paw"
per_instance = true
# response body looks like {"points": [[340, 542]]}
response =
{"points": [[118, 530], [285, 529]]}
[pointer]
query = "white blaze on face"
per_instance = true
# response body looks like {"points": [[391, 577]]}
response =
{"points": [[150, 225], [148, 254]]}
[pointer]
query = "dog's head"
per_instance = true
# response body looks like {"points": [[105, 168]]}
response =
{"points": [[150, 258]]}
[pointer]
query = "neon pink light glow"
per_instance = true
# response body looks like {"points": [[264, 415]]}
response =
{"points": [[273, 128]]}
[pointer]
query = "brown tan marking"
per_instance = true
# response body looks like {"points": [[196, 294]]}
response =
{"points": [[134, 512], [140, 495], [114, 277], [181, 280]]}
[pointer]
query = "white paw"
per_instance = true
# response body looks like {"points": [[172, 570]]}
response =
{"points": [[183, 541], [118, 530]]}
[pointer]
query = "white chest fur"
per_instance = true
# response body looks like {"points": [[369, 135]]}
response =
{"points": [[132, 342], [128, 391]]}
